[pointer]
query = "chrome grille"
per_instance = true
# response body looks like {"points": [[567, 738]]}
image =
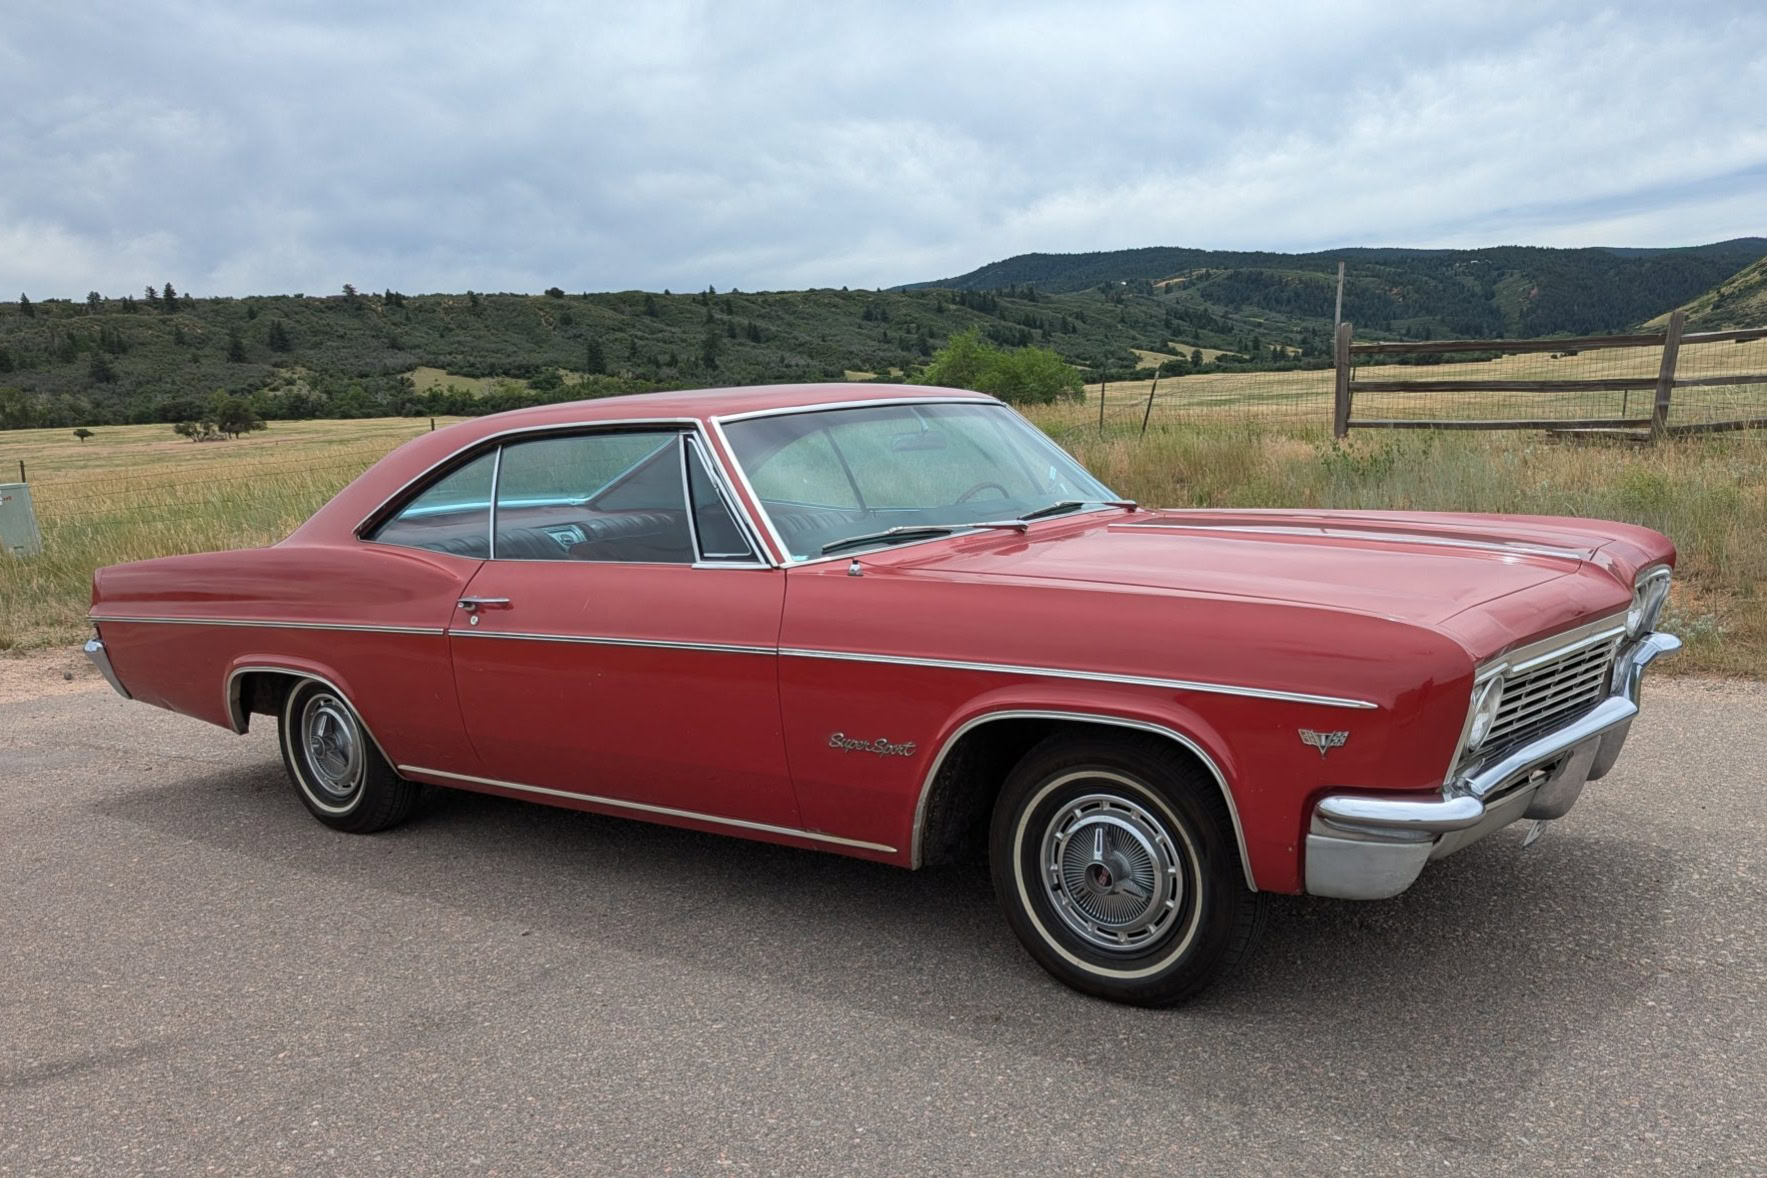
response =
{"points": [[1550, 692]]}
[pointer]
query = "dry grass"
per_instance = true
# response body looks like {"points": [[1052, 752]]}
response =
{"points": [[136, 492], [1305, 397], [133, 492]]}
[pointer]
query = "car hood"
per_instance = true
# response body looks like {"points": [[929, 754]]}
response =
{"points": [[1422, 569]]}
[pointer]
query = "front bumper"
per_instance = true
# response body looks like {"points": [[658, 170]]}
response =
{"points": [[1361, 847]]}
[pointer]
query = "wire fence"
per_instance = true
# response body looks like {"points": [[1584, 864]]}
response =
{"points": [[1613, 383]]}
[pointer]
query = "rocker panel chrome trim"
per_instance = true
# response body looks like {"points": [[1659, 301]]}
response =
{"points": [[1328, 701], [647, 808], [1173, 734]]}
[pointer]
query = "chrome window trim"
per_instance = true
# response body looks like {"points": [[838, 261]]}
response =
{"points": [[780, 552], [268, 624], [862, 403], [938, 763], [1321, 530], [1329, 701], [691, 425], [784, 553], [699, 553], [491, 515], [727, 496], [647, 808]]}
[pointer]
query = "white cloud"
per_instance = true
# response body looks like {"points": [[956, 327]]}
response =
{"points": [[768, 145]]}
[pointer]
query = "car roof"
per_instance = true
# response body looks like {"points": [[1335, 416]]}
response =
{"points": [[411, 461], [707, 403]]}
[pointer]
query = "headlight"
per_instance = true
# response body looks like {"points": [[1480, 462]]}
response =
{"points": [[1648, 597], [1487, 698]]}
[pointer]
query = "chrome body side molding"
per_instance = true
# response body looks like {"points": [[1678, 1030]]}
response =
{"points": [[647, 808], [1297, 697], [265, 623], [938, 762]]}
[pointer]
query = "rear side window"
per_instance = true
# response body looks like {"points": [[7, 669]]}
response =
{"points": [[452, 515]]}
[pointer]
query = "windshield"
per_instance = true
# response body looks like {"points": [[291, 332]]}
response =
{"points": [[834, 474]]}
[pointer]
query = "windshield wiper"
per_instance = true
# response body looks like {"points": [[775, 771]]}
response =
{"points": [[909, 531], [1066, 505]]}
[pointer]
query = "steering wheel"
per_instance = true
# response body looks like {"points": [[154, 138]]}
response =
{"points": [[983, 486]]}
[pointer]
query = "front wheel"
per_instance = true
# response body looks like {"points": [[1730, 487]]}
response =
{"points": [[1115, 863], [334, 764]]}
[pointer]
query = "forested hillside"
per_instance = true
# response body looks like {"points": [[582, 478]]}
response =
{"points": [[1738, 301], [161, 355], [1507, 290]]}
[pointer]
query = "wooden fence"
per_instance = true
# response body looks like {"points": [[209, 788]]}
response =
{"points": [[1660, 387]]}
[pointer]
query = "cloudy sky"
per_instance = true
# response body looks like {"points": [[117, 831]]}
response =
{"points": [[235, 148]]}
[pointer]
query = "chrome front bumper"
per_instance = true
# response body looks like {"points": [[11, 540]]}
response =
{"points": [[1362, 847], [101, 659]]}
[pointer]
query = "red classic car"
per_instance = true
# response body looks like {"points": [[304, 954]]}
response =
{"points": [[902, 624]]}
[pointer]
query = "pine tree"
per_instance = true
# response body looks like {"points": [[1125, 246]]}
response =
{"points": [[278, 337], [94, 301], [24, 305], [170, 298], [235, 347], [594, 362]]}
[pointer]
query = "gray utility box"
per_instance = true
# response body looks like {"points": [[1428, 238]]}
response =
{"points": [[18, 522]]}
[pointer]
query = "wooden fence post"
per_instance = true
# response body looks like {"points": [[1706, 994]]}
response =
{"points": [[1101, 387], [1340, 416], [1659, 417], [1148, 412]]}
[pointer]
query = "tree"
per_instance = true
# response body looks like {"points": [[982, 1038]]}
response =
{"points": [[94, 301], [6, 363], [235, 347], [555, 292], [1196, 357], [83, 433], [650, 305], [277, 337], [24, 305], [708, 348], [153, 294], [196, 431], [233, 415], [594, 360], [349, 292], [169, 297], [101, 370], [1028, 375]]}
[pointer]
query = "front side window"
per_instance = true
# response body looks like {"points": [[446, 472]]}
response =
{"points": [[594, 497], [829, 476]]}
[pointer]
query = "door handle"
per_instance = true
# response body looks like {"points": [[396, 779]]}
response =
{"points": [[473, 604]]}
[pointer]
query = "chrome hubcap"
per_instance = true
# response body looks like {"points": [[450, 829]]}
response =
{"points": [[333, 748], [1113, 872]]}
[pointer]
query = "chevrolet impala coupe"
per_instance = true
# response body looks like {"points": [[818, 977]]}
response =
{"points": [[902, 624]]}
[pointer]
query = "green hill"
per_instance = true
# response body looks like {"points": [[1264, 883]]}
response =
{"points": [[1506, 290], [1738, 301], [153, 358], [113, 360]]}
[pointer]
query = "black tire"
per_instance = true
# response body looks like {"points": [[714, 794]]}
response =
{"points": [[1142, 898], [335, 765]]}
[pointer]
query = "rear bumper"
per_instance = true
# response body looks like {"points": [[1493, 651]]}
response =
{"points": [[101, 659], [1361, 847]]}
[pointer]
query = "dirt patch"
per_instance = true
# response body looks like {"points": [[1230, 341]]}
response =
{"points": [[37, 673]]}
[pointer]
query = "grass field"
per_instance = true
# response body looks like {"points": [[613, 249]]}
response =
{"points": [[133, 492]]}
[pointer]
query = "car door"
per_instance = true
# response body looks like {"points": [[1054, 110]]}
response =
{"points": [[622, 640]]}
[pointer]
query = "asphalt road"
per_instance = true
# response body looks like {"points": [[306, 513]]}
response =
{"points": [[198, 978]]}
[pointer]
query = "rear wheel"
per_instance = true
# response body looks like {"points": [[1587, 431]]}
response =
{"points": [[337, 770], [1115, 864]]}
